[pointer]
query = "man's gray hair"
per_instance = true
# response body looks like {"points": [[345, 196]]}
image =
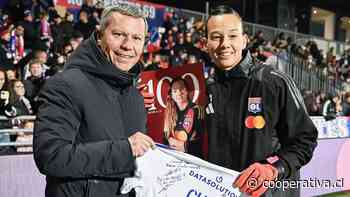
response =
{"points": [[122, 8]]}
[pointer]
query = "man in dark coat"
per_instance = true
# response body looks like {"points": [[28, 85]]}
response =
{"points": [[57, 32], [67, 26], [84, 26], [31, 30], [257, 121], [34, 82], [91, 119], [6, 56]]}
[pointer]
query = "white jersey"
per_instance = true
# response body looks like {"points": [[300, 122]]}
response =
{"points": [[168, 173]]}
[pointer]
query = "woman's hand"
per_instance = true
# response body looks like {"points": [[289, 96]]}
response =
{"points": [[177, 144]]}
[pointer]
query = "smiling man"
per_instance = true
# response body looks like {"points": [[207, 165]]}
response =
{"points": [[256, 119], [91, 120]]}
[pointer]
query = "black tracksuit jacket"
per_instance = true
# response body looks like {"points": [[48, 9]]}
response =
{"points": [[86, 113], [252, 89]]}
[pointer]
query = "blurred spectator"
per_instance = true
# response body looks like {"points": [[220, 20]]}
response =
{"points": [[42, 56], [156, 61], [168, 23], [280, 42], [34, 83], [256, 52], [4, 104], [332, 70], [18, 43], [344, 69], [67, 50], [346, 104], [164, 62], [182, 25], [4, 19], [21, 105], [189, 23], [169, 42], [59, 60], [88, 7], [331, 107], [189, 44], [30, 30], [5, 107], [15, 9], [192, 59], [57, 32], [45, 29], [11, 74], [6, 57], [84, 26], [315, 52], [95, 19], [76, 39], [179, 59], [18, 100], [346, 85], [320, 100], [330, 54], [180, 44], [311, 104], [68, 26], [40, 6], [259, 38]]}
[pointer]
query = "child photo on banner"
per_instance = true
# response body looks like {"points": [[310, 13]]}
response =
{"points": [[177, 114]]}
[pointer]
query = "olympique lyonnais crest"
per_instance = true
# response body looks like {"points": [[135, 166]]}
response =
{"points": [[254, 104], [188, 121]]}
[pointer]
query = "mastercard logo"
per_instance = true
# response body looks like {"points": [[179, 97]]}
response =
{"points": [[252, 122]]}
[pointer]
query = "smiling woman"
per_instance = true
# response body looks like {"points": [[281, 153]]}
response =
{"points": [[257, 123], [225, 40]]}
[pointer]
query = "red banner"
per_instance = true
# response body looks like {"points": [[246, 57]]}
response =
{"points": [[69, 3], [158, 83]]}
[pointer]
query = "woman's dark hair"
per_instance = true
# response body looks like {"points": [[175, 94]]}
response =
{"points": [[176, 80], [220, 10], [6, 83], [13, 96]]}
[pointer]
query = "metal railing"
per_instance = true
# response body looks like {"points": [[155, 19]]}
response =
{"points": [[306, 77], [27, 117], [16, 131], [270, 33]]}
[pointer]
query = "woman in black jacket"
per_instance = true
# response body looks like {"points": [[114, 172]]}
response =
{"points": [[5, 110], [20, 103]]}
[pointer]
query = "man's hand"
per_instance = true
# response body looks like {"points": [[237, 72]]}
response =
{"points": [[140, 143], [176, 144], [251, 179], [148, 98]]}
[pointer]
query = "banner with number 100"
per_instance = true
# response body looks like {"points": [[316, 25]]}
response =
{"points": [[158, 83]]}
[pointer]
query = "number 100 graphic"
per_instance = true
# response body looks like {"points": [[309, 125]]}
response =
{"points": [[158, 84]]}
